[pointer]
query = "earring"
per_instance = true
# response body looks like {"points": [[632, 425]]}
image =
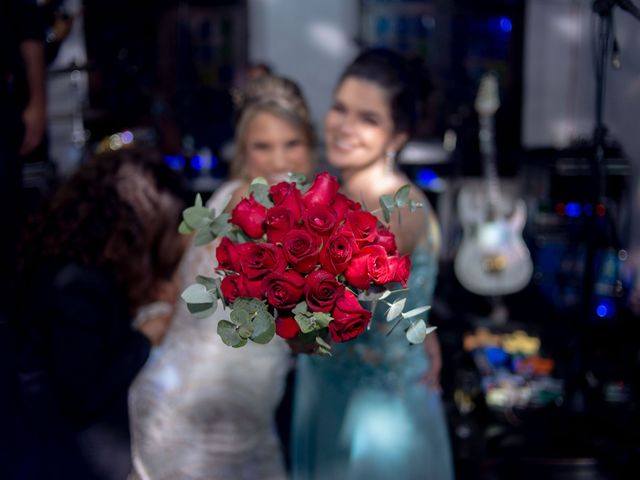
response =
{"points": [[390, 160]]}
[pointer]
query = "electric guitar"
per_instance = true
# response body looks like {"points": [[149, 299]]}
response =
{"points": [[493, 258]]}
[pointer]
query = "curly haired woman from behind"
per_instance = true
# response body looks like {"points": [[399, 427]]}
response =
{"points": [[106, 246]]}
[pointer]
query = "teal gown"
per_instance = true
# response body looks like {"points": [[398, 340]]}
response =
{"points": [[363, 413]]}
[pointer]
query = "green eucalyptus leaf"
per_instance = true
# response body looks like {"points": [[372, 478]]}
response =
{"points": [[250, 305], [229, 334], [387, 201], [200, 302], [413, 206], [259, 181], [220, 295], [197, 293], [401, 197], [396, 309], [264, 327], [385, 294], [184, 228], [324, 352], [387, 204], [301, 308], [211, 284], [202, 310], [198, 202], [221, 231], [203, 237], [299, 178], [240, 317], [321, 319], [220, 225], [416, 332], [196, 217], [321, 342], [260, 192], [237, 235], [304, 322], [245, 331], [416, 311]]}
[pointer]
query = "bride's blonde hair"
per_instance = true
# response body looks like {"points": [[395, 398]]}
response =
{"points": [[278, 96]]}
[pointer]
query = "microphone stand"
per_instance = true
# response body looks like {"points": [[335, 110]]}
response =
{"points": [[603, 45], [604, 11]]}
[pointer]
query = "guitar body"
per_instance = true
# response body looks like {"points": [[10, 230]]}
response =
{"points": [[492, 258]]}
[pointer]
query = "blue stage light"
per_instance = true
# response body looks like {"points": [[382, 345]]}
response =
{"points": [[573, 209], [425, 177], [505, 24], [197, 163], [175, 162], [606, 308]]}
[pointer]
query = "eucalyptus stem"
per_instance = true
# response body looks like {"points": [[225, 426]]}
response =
{"points": [[395, 325]]}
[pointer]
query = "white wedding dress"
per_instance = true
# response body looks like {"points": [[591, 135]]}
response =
{"points": [[201, 409]]}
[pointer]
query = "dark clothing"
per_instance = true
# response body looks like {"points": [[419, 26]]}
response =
{"points": [[78, 359], [19, 21]]}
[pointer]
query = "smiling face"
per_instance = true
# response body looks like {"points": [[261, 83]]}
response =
{"points": [[359, 129], [273, 147]]}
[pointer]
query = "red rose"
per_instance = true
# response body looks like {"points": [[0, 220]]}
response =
{"points": [[233, 287], [322, 192], [260, 259], [349, 318], [287, 195], [364, 226], [249, 215], [320, 220], [284, 290], [286, 326], [387, 240], [370, 264], [337, 251], [342, 205], [255, 288], [279, 222], [301, 250], [400, 269], [321, 290], [227, 254]]}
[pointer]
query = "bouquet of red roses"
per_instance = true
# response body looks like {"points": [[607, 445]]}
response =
{"points": [[294, 259]]}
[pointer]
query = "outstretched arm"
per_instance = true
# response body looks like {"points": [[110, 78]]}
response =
{"points": [[34, 115], [432, 347]]}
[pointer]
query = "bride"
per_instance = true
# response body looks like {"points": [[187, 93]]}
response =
{"points": [[201, 409]]}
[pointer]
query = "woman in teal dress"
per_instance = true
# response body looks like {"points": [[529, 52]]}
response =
{"points": [[373, 410]]}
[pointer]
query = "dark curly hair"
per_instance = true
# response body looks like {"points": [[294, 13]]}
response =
{"points": [[120, 211]]}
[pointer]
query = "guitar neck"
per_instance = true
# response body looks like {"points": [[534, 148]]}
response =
{"points": [[490, 169]]}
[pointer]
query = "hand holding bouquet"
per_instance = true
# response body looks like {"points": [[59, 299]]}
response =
{"points": [[295, 259]]}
